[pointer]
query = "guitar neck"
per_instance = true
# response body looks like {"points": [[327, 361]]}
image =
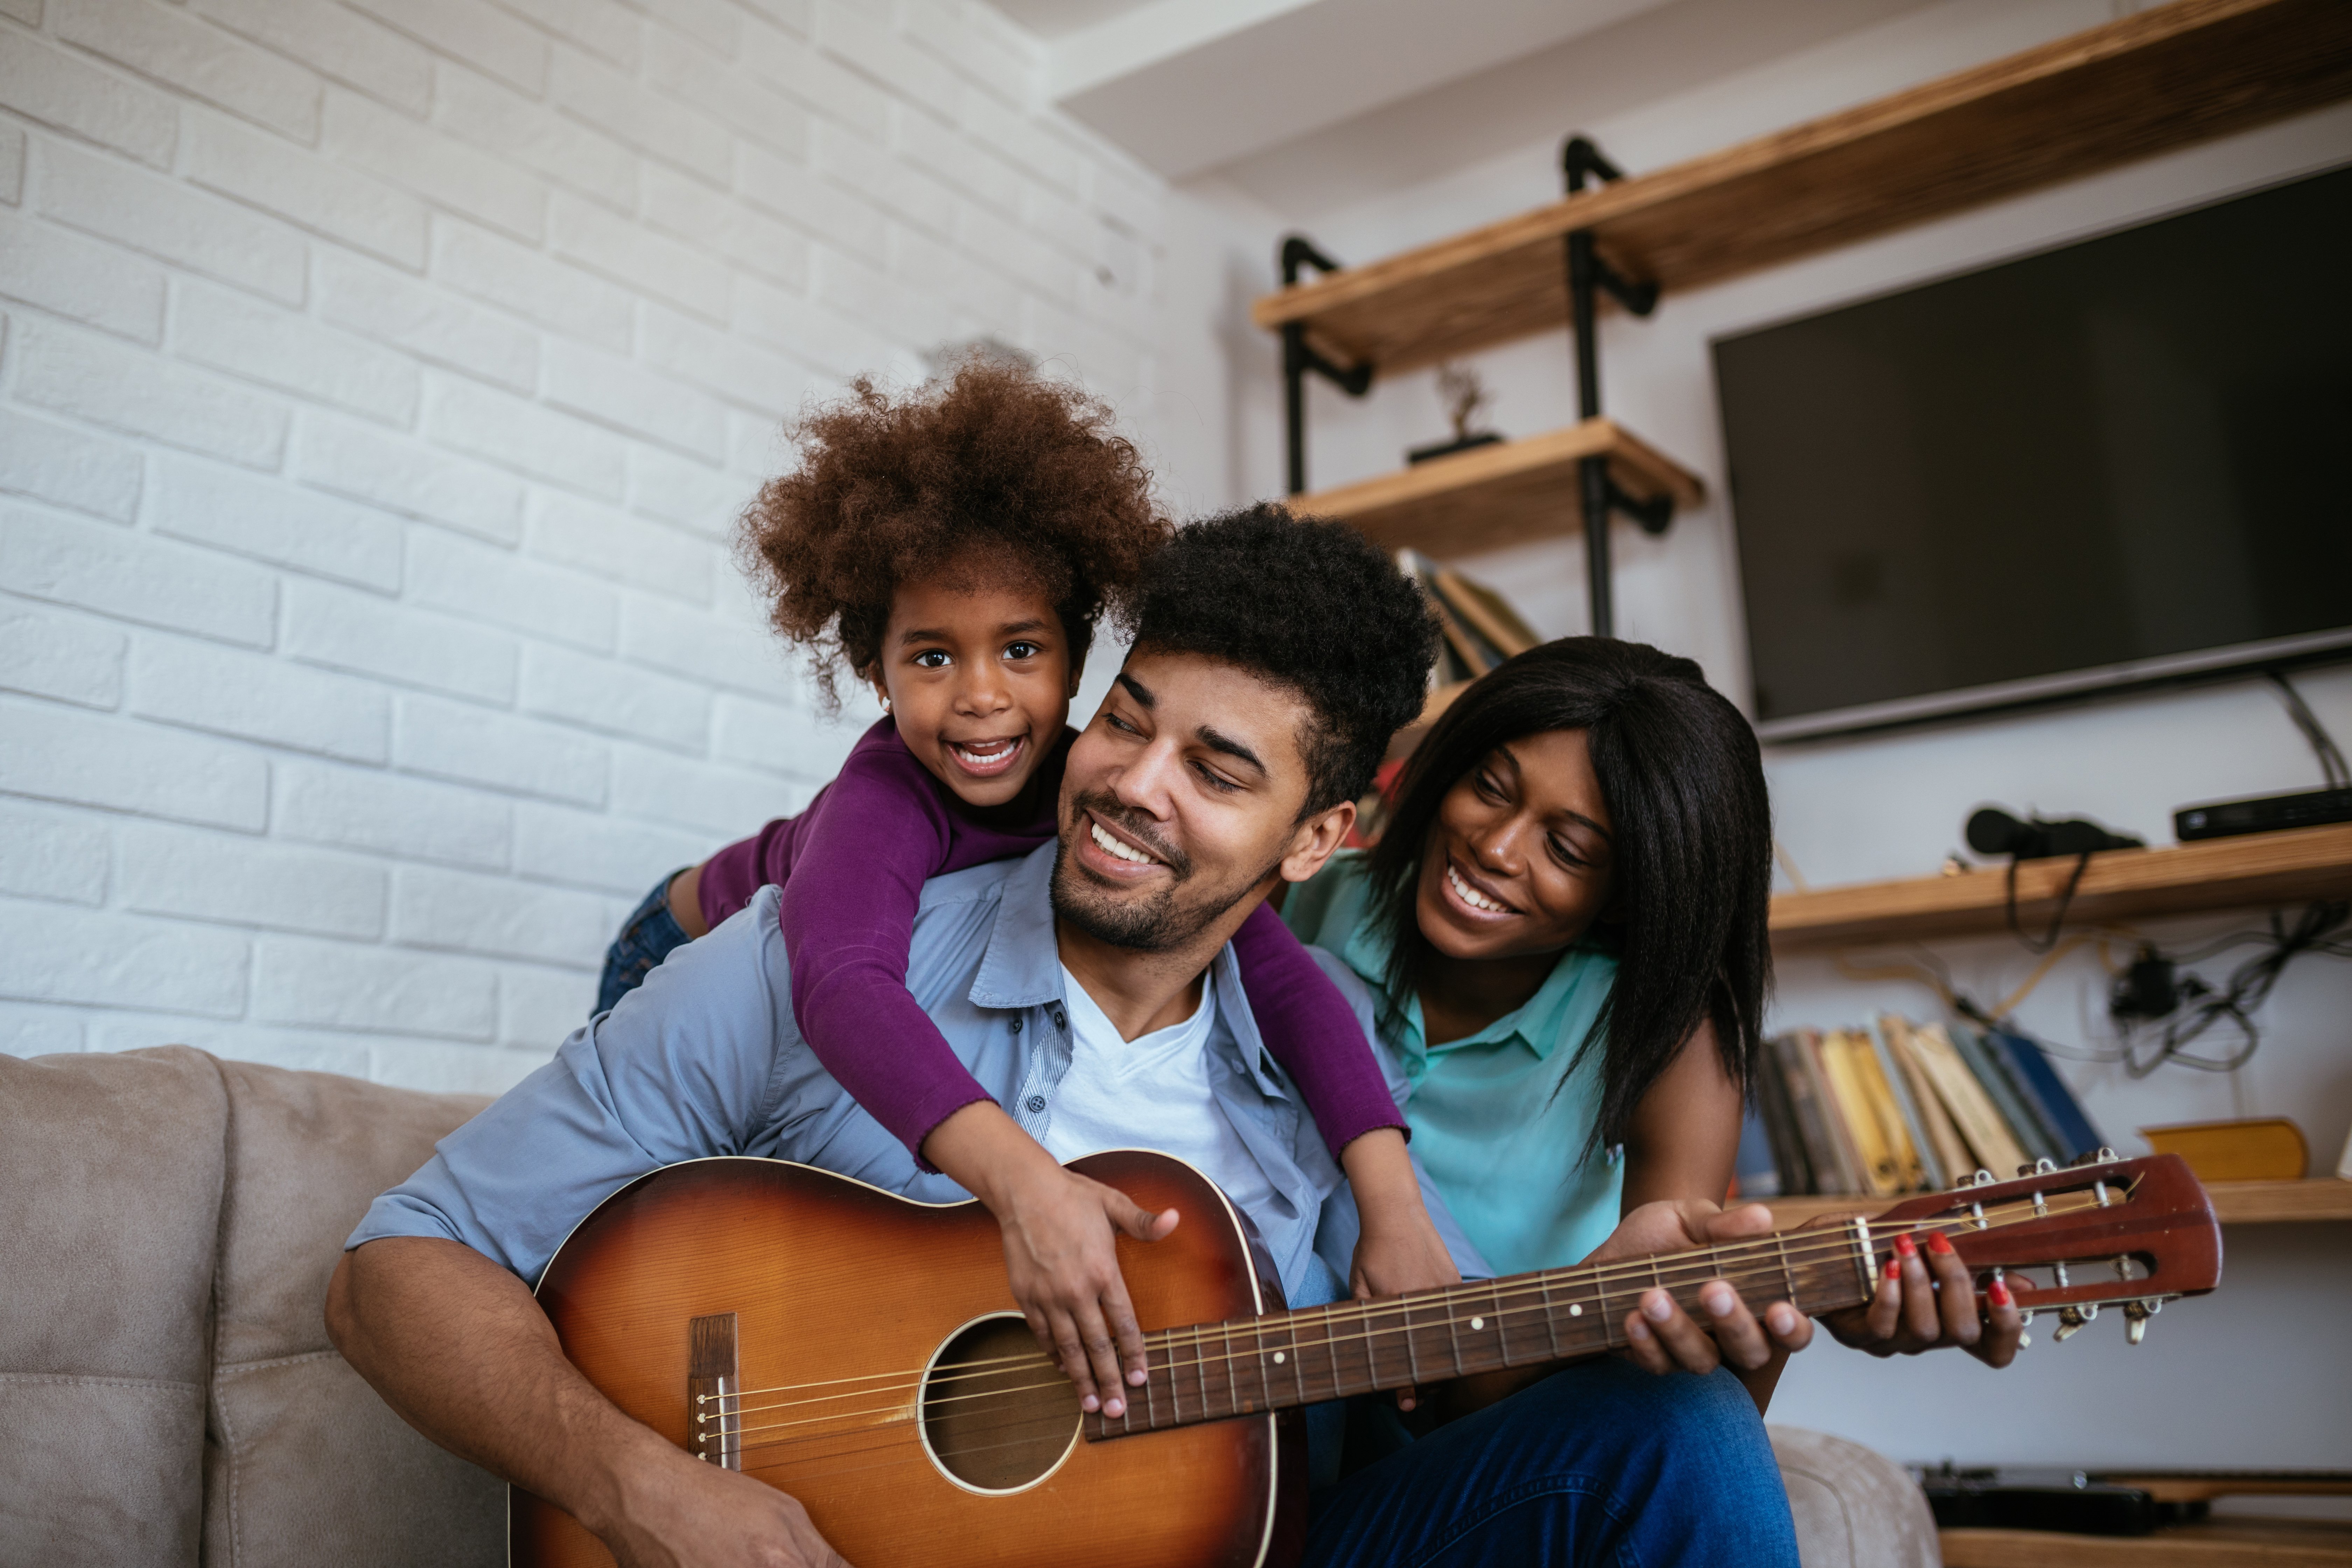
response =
{"points": [[1246, 1366]]}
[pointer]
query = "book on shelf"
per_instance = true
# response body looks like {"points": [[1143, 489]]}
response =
{"points": [[2044, 1092], [1754, 1174], [1933, 1172], [1903, 1108], [1985, 1060], [1881, 1149]]}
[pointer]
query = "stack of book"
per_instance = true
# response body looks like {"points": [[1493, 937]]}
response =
{"points": [[1902, 1107], [1481, 628]]}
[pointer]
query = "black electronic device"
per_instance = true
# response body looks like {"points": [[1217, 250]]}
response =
{"points": [[2263, 814], [2112, 463], [2069, 1500], [1992, 831]]}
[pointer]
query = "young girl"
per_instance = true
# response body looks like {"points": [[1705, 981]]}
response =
{"points": [[955, 548]]}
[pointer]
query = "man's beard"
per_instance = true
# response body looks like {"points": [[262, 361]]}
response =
{"points": [[1158, 923]]}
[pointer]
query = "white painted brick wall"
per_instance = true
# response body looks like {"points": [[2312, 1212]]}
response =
{"points": [[380, 383]]}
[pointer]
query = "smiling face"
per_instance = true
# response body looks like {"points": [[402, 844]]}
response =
{"points": [[1518, 859], [979, 679], [1181, 803]]}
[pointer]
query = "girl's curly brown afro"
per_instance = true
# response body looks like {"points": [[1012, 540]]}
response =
{"points": [[992, 475]]}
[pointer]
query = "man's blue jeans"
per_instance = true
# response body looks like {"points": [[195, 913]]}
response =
{"points": [[1598, 1463]]}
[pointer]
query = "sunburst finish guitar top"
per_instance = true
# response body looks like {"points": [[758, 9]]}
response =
{"points": [[844, 1297], [863, 1354]]}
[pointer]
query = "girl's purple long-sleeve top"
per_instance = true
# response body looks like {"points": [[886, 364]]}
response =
{"points": [[853, 867]]}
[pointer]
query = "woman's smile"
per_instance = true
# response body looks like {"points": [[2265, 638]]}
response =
{"points": [[1474, 895]]}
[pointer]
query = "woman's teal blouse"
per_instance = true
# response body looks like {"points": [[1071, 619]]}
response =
{"points": [[1505, 1150]]}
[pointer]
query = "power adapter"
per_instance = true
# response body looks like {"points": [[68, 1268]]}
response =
{"points": [[2151, 988]]}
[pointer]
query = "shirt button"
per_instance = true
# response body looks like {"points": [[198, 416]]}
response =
{"points": [[1059, 1022], [1016, 1026], [1036, 1104]]}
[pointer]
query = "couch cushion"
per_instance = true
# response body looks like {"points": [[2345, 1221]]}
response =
{"points": [[110, 1172], [308, 1153], [308, 1464], [1853, 1506]]}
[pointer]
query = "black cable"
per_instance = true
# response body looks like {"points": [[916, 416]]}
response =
{"points": [[2057, 916], [2315, 930], [2332, 766]]}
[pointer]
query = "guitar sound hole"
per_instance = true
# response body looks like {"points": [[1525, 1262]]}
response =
{"points": [[997, 1415]]}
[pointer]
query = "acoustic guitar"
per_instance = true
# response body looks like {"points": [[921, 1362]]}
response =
{"points": [[863, 1354]]}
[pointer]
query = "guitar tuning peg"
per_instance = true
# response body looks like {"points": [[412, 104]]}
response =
{"points": [[2136, 1317], [2072, 1318]]}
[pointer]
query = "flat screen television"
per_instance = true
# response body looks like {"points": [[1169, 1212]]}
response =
{"points": [[2122, 461]]}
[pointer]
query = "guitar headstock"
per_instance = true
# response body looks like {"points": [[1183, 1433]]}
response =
{"points": [[2100, 1232]]}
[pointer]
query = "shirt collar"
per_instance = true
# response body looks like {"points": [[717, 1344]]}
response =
{"points": [[1560, 1014], [1022, 966]]}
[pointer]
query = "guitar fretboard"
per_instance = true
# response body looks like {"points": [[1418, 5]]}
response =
{"points": [[1246, 1366]]}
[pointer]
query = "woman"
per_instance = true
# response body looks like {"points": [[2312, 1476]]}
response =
{"points": [[1564, 920]]}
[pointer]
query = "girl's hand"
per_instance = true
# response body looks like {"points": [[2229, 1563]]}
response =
{"points": [[1927, 1298], [1060, 1231], [1661, 1336], [1398, 1248]]}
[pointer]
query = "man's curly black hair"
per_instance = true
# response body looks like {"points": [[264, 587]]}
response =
{"points": [[1312, 605]]}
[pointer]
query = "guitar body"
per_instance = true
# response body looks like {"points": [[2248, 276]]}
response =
{"points": [[856, 1316]]}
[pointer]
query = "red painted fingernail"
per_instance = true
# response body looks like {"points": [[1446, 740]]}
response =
{"points": [[1939, 1242], [1893, 1269], [1902, 1244], [1999, 1295]]}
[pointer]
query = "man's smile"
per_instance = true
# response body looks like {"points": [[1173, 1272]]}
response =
{"points": [[1114, 852]]}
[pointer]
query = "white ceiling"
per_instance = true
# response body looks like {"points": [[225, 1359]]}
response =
{"points": [[1191, 84], [1053, 19]]}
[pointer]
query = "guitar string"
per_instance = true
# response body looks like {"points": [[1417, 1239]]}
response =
{"points": [[1174, 1365], [904, 1412], [1170, 1363], [1197, 1341], [1825, 1241], [1339, 1314], [1051, 1419], [801, 1474]]}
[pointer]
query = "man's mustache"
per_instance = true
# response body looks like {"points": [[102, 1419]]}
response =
{"points": [[1136, 825]]}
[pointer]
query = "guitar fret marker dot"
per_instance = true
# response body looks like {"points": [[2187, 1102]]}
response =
{"points": [[1477, 1323], [1277, 1358], [1574, 1310]]}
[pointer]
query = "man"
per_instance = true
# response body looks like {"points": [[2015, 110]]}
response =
{"points": [[1273, 659]]}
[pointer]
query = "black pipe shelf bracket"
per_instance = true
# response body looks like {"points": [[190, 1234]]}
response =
{"points": [[1300, 356], [1588, 276]]}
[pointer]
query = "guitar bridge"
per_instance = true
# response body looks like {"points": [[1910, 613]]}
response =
{"points": [[714, 1431]]}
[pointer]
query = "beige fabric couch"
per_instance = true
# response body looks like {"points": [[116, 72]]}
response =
{"points": [[168, 1223]]}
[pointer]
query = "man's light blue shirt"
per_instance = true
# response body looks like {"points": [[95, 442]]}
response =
{"points": [[705, 1059]]}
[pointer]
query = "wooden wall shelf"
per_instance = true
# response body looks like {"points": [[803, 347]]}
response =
{"points": [[2235, 1203], [2165, 78], [2225, 1542], [2256, 869], [1493, 496]]}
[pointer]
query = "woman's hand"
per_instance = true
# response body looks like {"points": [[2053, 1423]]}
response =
{"points": [[1927, 1298], [1661, 1336]]}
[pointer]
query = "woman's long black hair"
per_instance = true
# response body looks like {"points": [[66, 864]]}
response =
{"points": [[1691, 843]]}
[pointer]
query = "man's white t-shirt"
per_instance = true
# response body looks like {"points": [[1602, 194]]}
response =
{"points": [[1150, 1092]]}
